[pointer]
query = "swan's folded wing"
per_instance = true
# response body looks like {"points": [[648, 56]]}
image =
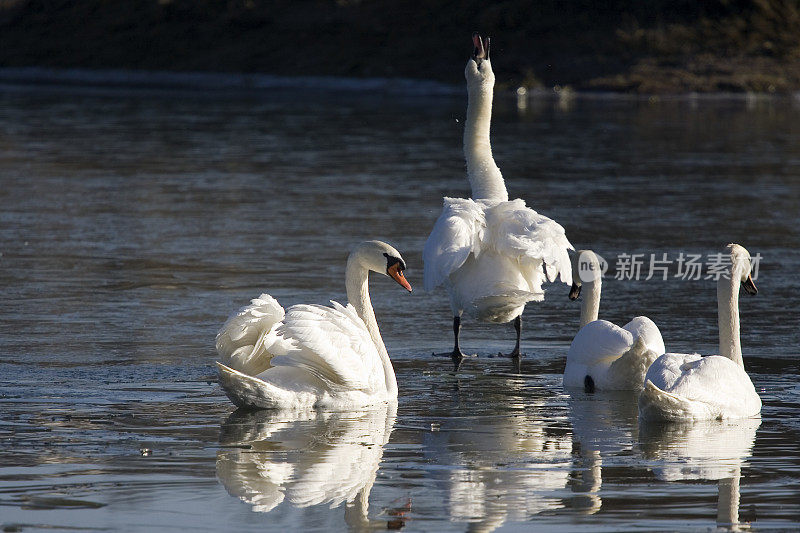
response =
{"points": [[713, 380], [243, 341], [334, 345], [457, 233], [516, 230], [597, 342]]}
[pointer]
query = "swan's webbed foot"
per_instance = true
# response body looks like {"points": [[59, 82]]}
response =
{"points": [[515, 353], [457, 356]]}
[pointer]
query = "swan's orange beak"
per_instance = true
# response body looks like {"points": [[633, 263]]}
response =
{"points": [[397, 275]]}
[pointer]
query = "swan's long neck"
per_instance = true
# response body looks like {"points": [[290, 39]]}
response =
{"points": [[590, 306], [484, 176], [357, 283], [728, 318]]}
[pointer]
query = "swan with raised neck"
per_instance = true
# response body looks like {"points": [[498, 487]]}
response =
{"points": [[484, 176], [491, 254]]}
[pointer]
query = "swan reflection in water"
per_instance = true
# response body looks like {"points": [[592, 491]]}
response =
{"points": [[507, 461], [703, 450], [603, 425], [306, 458]]}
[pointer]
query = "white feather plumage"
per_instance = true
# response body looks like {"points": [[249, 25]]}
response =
{"points": [[311, 355], [691, 387], [491, 254]]}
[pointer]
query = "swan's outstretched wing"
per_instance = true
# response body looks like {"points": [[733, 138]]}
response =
{"points": [[243, 341], [457, 233], [688, 386], [645, 328], [536, 241], [333, 344]]}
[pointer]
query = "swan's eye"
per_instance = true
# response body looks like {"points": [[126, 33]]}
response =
{"points": [[391, 261]]}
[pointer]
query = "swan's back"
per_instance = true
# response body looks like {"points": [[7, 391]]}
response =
{"points": [[519, 232], [493, 256], [689, 386], [334, 345], [643, 327], [318, 357], [604, 356], [597, 342]]}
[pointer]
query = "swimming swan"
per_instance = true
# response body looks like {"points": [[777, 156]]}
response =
{"points": [[312, 355], [604, 356], [690, 387], [491, 254]]}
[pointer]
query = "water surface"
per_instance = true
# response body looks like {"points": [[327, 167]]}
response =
{"points": [[134, 222]]}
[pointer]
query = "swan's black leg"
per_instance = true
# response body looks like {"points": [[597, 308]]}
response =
{"points": [[518, 327], [456, 356]]}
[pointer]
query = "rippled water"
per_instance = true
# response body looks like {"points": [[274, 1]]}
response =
{"points": [[132, 223]]}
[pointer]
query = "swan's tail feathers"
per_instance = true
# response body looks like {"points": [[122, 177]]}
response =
{"points": [[501, 308], [631, 367], [243, 342], [656, 404], [249, 391]]}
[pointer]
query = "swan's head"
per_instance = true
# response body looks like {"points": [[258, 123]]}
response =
{"points": [[479, 72], [585, 268], [382, 258], [741, 266]]}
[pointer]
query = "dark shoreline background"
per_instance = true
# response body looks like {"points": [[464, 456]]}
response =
{"points": [[654, 46]]}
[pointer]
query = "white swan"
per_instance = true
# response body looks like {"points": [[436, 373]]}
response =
{"points": [[604, 356], [311, 355], [691, 387], [491, 254]]}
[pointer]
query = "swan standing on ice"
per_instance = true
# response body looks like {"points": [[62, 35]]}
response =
{"points": [[491, 254], [604, 356], [312, 355], [691, 387]]}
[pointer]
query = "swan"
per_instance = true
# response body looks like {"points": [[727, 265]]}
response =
{"points": [[310, 355], [691, 387], [604, 356], [491, 254]]}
